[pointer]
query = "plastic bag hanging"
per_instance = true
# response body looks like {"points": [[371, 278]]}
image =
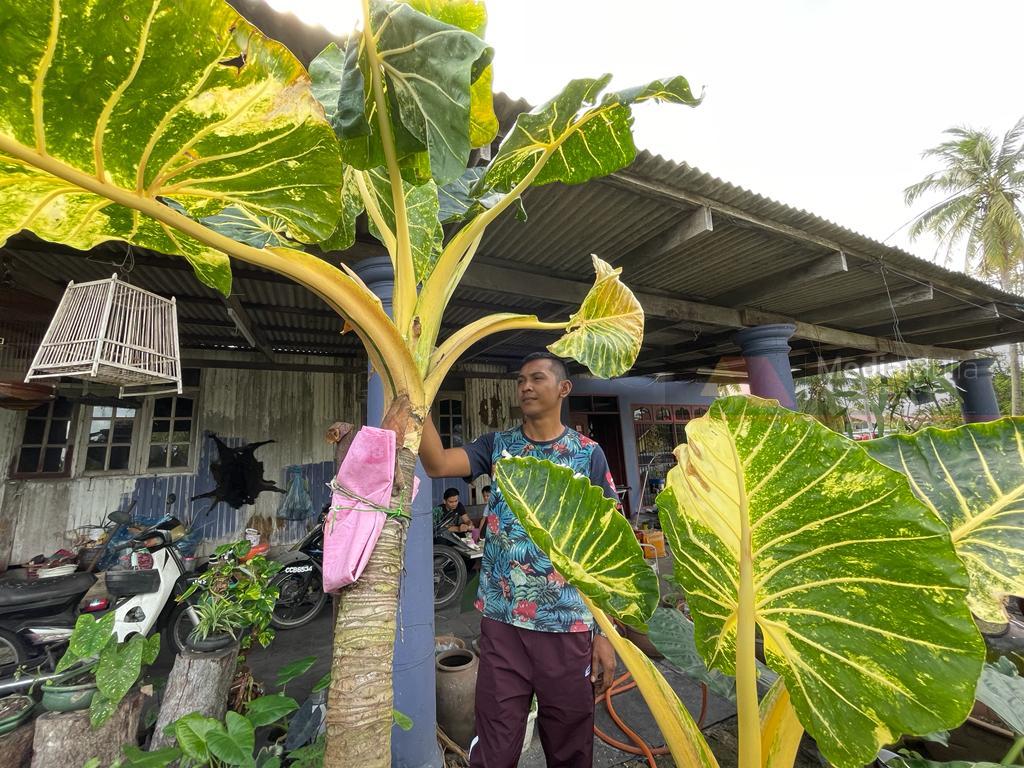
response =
{"points": [[297, 503]]}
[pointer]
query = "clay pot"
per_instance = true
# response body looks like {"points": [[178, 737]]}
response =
{"points": [[456, 691]]}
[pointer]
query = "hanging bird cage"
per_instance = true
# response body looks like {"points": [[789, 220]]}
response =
{"points": [[111, 332]]}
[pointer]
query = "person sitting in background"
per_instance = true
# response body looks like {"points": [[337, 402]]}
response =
{"points": [[486, 493], [450, 515]]}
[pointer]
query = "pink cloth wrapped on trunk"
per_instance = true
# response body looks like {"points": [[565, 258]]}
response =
{"points": [[352, 527]]}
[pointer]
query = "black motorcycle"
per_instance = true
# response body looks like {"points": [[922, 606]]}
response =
{"points": [[300, 582]]}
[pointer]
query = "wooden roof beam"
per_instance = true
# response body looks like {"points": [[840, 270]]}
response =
{"points": [[516, 281], [244, 322], [945, 320], [782, 280], [695, 225], [867, 305]]}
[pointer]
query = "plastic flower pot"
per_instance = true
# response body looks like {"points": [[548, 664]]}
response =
{"points": [[68, 698], [208, 644], [14, 710]]}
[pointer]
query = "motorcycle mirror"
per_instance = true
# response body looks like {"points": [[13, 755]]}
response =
{"points": [[119, 517]]}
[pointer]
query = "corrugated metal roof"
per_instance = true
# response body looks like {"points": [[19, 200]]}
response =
{"points": [[754, 238]]}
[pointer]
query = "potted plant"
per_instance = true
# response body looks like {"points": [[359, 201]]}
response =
{"points": [[99, 669], [235, 599], [14, 710]]}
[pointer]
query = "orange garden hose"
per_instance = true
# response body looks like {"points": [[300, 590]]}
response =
{"points": [[639, 746]]}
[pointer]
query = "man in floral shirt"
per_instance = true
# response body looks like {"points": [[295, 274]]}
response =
{"points": [[537, 637]]}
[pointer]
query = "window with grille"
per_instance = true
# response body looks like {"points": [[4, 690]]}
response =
{"points": [[46, 443], [450, 422], [171, 433], [659, 429]]}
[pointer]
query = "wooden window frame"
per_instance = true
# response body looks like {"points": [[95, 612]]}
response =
{"points": [[438, 416], [69, 445]]}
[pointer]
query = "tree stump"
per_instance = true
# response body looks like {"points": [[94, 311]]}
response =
{"points": [[16, 746], [199, 682], [66, 738]]}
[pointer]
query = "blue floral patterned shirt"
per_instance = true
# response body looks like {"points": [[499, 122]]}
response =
{"points": [[518, 584]]}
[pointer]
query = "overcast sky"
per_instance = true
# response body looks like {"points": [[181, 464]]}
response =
{"points": [[822, 104]]}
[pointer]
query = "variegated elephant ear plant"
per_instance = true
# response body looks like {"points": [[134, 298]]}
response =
{"points": [[860, 577], [179, 127]]}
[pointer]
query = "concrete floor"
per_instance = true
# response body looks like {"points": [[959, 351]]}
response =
{"points": [[314, 640]]}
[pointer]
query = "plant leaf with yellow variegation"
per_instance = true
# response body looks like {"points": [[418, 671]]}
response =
{"points": [[855, 585], [105, 106], [582, 532], [682, 736], [606, 332], [973, 478], [781, 730]]}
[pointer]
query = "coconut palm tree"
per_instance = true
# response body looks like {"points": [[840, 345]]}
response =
{"points": [[981, 179]]}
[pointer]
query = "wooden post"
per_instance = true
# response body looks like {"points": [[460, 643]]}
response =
{"points": [[66, 738], [199, 682]]}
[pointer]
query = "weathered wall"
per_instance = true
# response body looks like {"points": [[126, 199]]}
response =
{"points": [[241, 406]]}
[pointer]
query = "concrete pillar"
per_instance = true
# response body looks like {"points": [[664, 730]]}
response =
{"points": [[414, 643], [973, 379], [765, 349]]}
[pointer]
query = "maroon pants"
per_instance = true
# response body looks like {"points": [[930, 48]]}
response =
{"points": [[514, 665]]}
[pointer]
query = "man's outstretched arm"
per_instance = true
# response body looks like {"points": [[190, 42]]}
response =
{"points": [[439, 461]]}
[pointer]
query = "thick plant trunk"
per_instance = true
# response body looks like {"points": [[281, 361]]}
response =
{"points": [[359, 704], [67, 739], [199, 682]]}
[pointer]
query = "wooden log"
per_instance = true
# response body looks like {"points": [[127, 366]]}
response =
{"points": [[199, 682], [66, 738], [16, 746]]}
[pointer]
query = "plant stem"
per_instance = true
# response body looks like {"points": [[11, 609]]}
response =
{"points": [[384, 346], [405, 273], [1014, 753], [746, 624]]}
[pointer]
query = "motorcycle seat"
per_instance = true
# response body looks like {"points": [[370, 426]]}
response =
{"points": [[15, 592]]}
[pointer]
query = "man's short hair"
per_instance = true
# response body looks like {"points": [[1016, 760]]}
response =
{"points": [[558, 366], [486, 489], [449, 492]]}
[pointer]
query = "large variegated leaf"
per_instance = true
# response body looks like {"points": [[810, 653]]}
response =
{"points": [[351, 206], [781, 730], [682, 736], [587, 539], [429, 67], [577, 137], [470, 15], [855, 584], [607, 330], [421, 205], [1001, 689], [672, 634], [973, 478], [139, 101]]}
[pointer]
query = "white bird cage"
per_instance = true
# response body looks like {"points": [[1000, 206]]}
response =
{"points": [[115, 333]]}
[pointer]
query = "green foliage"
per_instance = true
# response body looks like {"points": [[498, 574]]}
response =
{"points": [[231, 742], [588, 540], [856, 585], [125, 104], [970, 478], [235, 595], [402, 720], [1001, 689], [93, 652], [295, 669]]}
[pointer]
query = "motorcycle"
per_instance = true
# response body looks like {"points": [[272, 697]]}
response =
{"points": [[37, 617], [453, 557], [300, 581]]}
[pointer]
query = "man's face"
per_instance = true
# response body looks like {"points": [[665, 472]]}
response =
{"points": [[452, 501], [539, 389], [487, 496]]}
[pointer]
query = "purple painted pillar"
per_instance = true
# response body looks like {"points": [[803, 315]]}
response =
{"points": [[973, 379], [765, 349], [414, 645]]}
